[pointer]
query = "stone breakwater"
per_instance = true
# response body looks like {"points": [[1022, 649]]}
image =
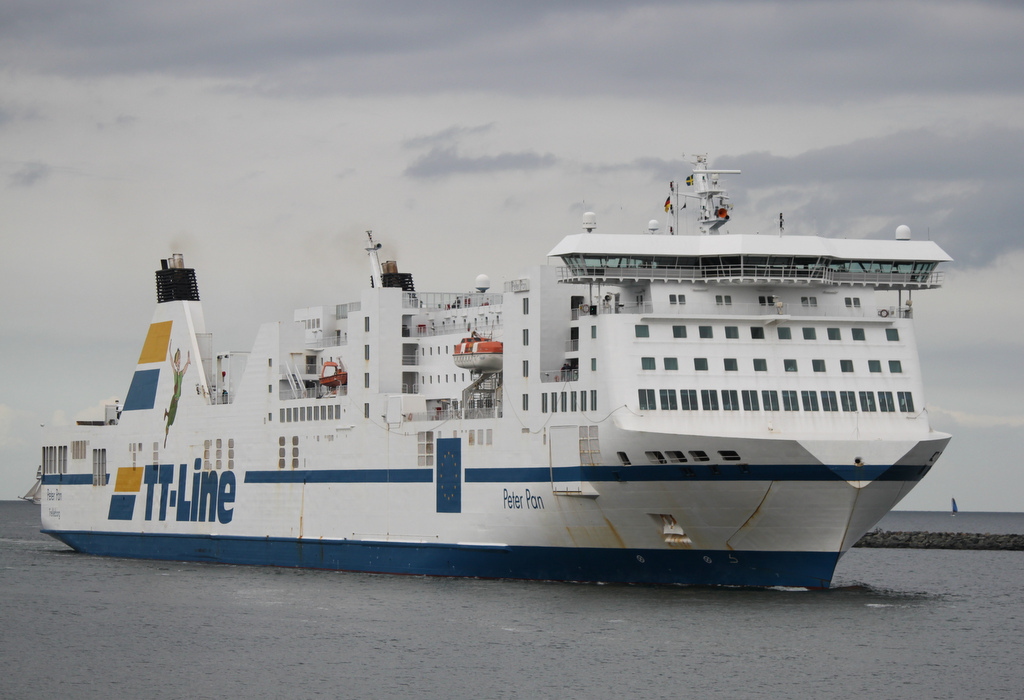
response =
{"points": [[942, 540]]}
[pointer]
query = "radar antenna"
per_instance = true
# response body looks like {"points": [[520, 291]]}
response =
{"points": [[375, 271]]}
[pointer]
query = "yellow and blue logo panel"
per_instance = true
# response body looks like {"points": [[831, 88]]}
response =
{"points": [[126, 486], [142, 392]]}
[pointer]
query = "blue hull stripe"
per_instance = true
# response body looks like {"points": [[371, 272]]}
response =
{"points": [[341, 476], [532, 475], [699, 472], [71, 479], [684, 566]]}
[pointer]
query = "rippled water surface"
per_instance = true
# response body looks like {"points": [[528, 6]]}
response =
{"points": [[898, 624]]}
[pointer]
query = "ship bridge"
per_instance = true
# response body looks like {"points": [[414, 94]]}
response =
{"points": [[750, 259]]}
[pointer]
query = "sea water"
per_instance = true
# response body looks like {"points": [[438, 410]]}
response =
{"points": [[897, 624]]}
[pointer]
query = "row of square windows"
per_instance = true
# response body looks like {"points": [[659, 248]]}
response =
{"points": [[764, 300], [731, 364], [571, 401], [642, 330], [752, 400]]}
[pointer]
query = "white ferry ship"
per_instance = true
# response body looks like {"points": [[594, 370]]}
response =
{"points": [[703, 409]]}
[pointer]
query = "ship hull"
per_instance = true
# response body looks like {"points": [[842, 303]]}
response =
{"points": [[642, 566]]}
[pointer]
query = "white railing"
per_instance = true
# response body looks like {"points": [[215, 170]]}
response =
{"points": [[756, 273], [559, 375]]}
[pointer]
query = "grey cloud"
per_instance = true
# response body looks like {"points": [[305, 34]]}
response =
{"points": [[960, 190], [446, 136], [29, 174], [735, 52], [444, 161]]}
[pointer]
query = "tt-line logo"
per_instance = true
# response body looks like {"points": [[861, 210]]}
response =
{"points": [[208, 496], [211, 495]]}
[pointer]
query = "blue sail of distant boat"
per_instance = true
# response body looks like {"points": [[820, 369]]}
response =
{"points": [[954, 507]]}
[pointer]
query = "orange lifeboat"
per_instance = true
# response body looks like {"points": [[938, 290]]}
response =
{"points": [[479, 354], [332, 376]]}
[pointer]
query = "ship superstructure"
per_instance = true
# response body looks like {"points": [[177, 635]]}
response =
{"points": [[717, 408]]}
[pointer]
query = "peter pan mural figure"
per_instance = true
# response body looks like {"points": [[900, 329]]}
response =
{"points": [[179, 375]]}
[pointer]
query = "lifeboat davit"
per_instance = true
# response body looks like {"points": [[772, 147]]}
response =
{"points": [[332, 376], [479, 354]]}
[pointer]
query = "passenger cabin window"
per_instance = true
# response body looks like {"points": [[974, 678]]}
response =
{"points": [[756, 333], [808, 301], [655, 457], [857, 333], [642, 331], [892, 334], [723, 299], [785, 333]]}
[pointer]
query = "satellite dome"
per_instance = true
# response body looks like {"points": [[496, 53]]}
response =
{"points": [[589, 221], [483, 283], [653, 226], [902, 233]]}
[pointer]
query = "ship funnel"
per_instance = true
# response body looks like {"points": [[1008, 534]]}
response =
{"points": [[175, 282], [391, 277]]}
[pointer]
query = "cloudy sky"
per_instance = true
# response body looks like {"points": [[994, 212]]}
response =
{"points": [[261, 139]]}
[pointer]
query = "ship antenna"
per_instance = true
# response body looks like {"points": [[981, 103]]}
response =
{"points": [[782, 224], [375, 271], [714, 200]]}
